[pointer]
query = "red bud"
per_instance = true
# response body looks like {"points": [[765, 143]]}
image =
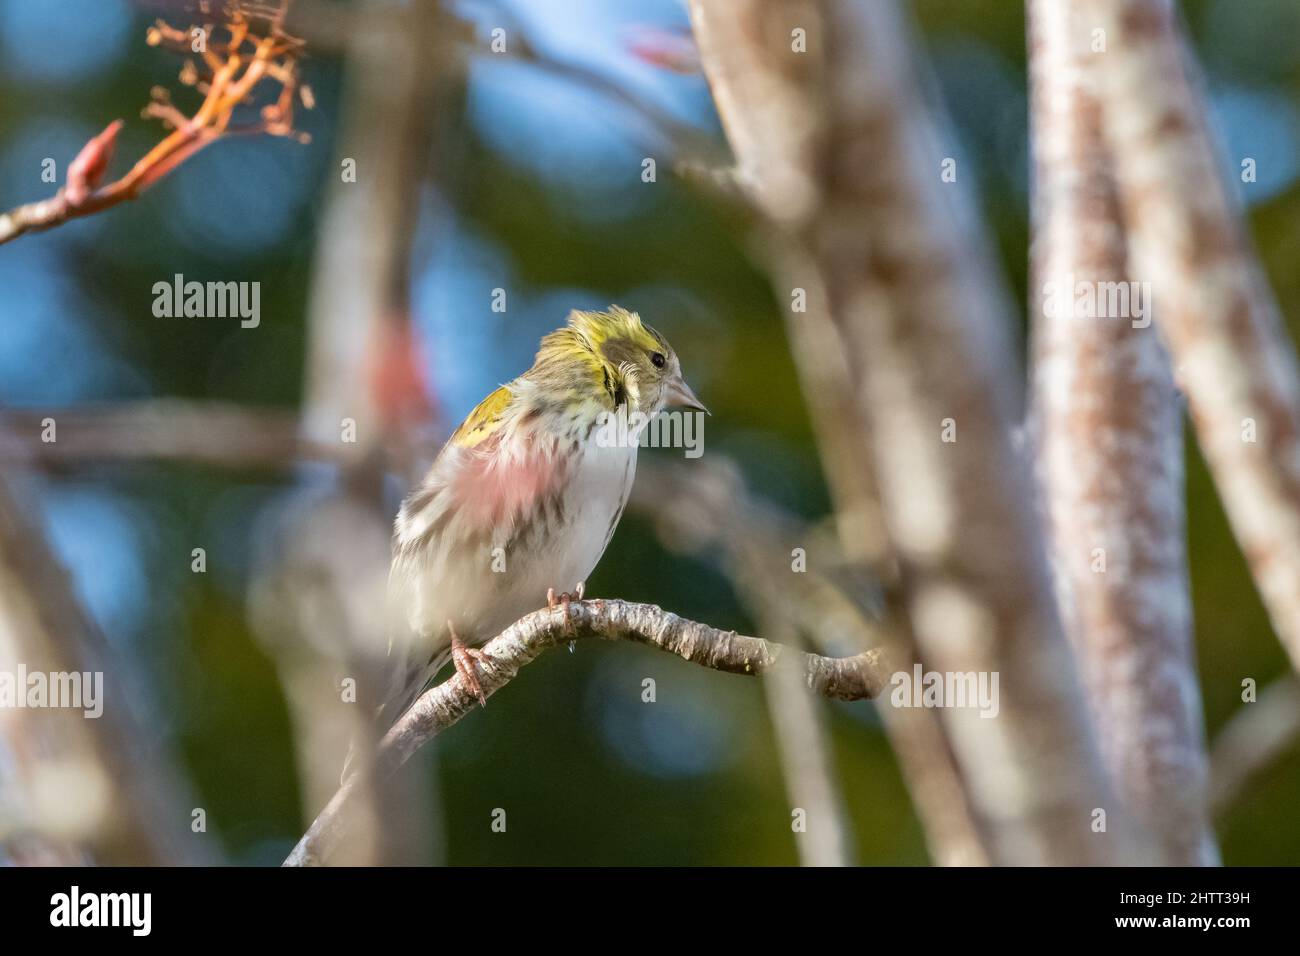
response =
{"points": [[87, 171]]}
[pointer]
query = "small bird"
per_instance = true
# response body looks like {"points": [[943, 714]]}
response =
{"points": [[523, 498]]}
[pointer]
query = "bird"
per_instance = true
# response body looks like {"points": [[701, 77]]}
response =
{"points": [[524, 497]]}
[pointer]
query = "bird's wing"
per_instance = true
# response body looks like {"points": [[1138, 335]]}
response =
{"points": [[486, 483], [428, 508], [489, 484], [486, 418]]}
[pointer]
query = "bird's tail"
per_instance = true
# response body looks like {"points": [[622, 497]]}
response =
{"points": [[404, 691]]}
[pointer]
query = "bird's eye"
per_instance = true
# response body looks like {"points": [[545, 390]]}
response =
{"points": [[658, 359]]}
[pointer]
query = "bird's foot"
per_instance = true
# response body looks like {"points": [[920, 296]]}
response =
{"points": [[466, 660], [564, 599]]}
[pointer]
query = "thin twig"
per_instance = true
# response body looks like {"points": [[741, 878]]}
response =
{"points": [[801, 726], [860, 677], [236, 65], [1257, 734]]}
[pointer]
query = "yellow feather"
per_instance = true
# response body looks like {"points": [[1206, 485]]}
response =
{"points": [[617, 323], [485, 419]]}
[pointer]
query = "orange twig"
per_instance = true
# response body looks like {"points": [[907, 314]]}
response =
{"points": [[228, 76]]}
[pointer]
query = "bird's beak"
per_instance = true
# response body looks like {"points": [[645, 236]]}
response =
{"points": [[681, 396]]}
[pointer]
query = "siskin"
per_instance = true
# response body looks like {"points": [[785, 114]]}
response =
{"points": [[523, 499]]}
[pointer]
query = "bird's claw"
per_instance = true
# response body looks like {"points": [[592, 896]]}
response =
{"points": [[563, 600], [466, 660]]}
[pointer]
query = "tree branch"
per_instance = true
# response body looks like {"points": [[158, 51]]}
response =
{"points": [[362, 361], [1215, 309], [163, 429], [772, 115], [227, 72], [855, 177], [1108, 430], [1257, 734], [860, 677], [327, 570]]}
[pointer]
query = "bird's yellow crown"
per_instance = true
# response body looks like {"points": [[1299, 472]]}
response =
{"points": [[597, 333]]}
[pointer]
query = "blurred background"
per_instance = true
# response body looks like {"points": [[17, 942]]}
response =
{"points": [[532, 184]]}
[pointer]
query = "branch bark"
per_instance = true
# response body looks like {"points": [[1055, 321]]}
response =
{"points": [[773, 117], [1107, 424], [854, 176], [805, 749], [330, 568], [860, 677], [835, 603], [1216, 312], [362, 364]]}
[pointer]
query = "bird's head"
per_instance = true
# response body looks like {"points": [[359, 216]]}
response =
{"points": [[627, 361]]}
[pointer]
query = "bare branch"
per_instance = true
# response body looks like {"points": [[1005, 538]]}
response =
{"points": [[772, 116], [860, 677], [318, 575], [362, 364], [1215, 310], [327, 569], [929, 346], [170, 430], [1108, 430], [835, 603], [804, 747], [228, 72], [854, 175], [691, 146]]}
